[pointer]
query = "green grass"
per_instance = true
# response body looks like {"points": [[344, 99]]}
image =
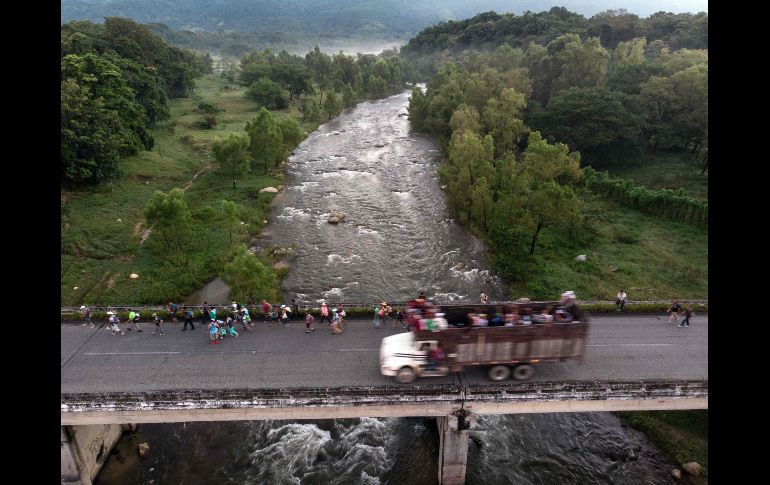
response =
{"points": [[648, 257], [681, 435], [102, 227], [665, 171]]}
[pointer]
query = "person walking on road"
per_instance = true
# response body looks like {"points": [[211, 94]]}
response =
{"points": [[325, 313], [114, 321], [86, 314], [213, 331], [266, 310], [133, 319], [675, 309], [688, 314], [294, 309], [246, 320], [309, 322], [621, 300], [188, 318], [158, 321], [284, 316], [172, 308], [377, 314]]}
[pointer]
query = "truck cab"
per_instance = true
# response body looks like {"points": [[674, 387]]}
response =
{"points": [[406, 358]]}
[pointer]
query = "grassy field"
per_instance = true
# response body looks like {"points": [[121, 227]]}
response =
{"points": [[665, 171], [648, 257], [102, 229]]}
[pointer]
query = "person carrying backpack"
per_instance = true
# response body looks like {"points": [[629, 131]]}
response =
{"points": [[133, 318], [172, 309], [188, 318], [86, 314]]}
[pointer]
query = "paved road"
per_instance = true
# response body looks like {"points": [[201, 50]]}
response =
{"points": [[619, 348]]}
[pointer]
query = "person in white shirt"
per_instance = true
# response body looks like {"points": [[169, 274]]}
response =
{"points": [[620, 301]]}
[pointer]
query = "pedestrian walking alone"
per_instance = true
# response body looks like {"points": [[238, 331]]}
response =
{"points": [[172, 308], [377, 314], [688, 314], [188, 318], [86, 314], [294, 310]]}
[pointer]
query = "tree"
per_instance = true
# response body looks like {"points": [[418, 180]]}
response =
{"points": [[170, 218], [552, 203], [589, 120], [265, 138], [503, 120], [268, 94], [291, 133], [232, 155], [230, 216], [246, 275], [93, 137], [332, 105]]}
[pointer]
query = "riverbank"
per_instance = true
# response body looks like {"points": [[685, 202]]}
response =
{"points": [[681, 435]]}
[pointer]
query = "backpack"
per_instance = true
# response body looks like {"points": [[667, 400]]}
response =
{"points": [[174, 307]]}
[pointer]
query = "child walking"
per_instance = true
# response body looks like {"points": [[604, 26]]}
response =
{"points": [[114, 321]]}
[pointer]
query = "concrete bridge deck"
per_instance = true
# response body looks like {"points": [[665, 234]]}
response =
{"points": [[632, 362]]}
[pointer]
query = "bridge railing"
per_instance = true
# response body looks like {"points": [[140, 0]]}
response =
{"points": [[344, 304]]}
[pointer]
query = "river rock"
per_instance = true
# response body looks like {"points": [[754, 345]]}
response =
{"points": [[336, 216], [523, 300], [144, 448], [280, 265], [693, 468], [676, 473], [269, 190], [580, 257], [133, 276], [631, 455]]}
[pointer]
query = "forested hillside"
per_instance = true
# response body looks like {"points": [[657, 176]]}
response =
{"points": [[526, 108], [362, 18]]}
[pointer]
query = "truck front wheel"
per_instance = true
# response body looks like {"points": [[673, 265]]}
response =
{"points": [[499, 373], [405, 375], [523, 372]]}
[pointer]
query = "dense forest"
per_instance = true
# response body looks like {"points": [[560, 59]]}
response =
{"points": [[117, 78], [519, 120], [364, 19]]}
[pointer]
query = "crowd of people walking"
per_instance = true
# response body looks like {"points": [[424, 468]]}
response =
{"points": [[420, 314]]}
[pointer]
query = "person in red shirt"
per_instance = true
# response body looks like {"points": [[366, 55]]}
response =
{"points": [[266, 310]]}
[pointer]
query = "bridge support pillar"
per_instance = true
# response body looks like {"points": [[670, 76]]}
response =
{"points": [[453, 431], [84, 449]]}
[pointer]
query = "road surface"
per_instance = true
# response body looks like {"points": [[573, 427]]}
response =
{"points": [[627, 347]]}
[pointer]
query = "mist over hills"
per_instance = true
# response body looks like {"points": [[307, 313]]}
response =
{"points": [[361, 18]]}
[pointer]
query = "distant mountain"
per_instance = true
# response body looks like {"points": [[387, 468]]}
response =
{"points": [[364, 18]]}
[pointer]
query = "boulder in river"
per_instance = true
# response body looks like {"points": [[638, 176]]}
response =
{"points": [[336, 216], [676, 473], [693, 468], [270, 190]]}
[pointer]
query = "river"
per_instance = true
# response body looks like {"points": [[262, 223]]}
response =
{"points": [[398, 238]]}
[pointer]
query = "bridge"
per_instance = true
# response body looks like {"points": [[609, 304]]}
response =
{"points": [[633, 362]]}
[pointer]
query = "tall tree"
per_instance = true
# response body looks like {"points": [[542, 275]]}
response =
{"points": [[232, 155], [169, 217], [265, 139]]}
